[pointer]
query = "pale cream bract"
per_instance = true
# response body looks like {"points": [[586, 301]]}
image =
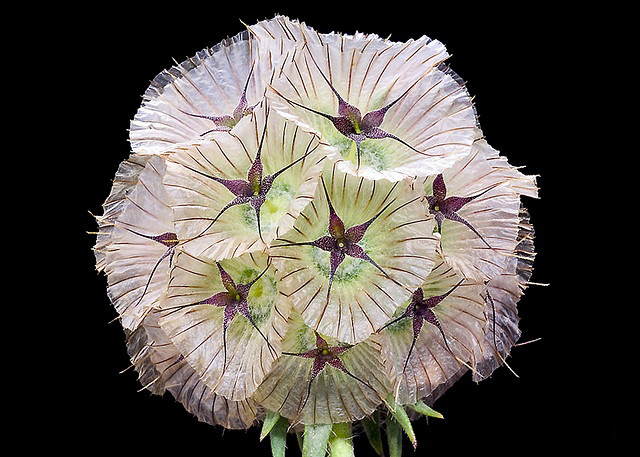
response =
{"points": [[362, 298], [433, 112]]}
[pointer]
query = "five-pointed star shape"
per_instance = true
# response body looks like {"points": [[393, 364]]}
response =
{"points": [[420, 310], [340, 242], [443, 207], [350, 122], [324, 355]]}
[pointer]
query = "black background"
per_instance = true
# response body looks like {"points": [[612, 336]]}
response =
{"points": [[525, 69]]}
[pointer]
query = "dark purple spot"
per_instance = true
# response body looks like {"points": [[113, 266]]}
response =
{"points": [[234, 301]]}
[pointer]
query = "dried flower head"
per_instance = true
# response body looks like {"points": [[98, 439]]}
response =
{"points": [[311, 232]]}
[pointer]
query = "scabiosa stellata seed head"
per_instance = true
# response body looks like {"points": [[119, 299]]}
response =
{"points": [[162, 367], [429, 341], [312, 232]]}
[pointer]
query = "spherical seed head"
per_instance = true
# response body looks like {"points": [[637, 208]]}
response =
{"points": [[246, 285]]}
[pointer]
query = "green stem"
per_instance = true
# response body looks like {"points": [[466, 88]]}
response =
{"points": [[394, 437], [340, 442], [315, 440]]}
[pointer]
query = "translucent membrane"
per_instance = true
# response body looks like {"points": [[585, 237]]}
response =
{"points": [[211, 83], [231, 361], [430, 124]]}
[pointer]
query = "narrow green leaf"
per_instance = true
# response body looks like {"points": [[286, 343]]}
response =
{"points": [[269, 422], [371, 426], [315, 440], [340, 441], [278, 437], [401, 416], [422, 408], [394, 437]]}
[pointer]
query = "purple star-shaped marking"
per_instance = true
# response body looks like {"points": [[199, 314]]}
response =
{"points": [[324, 355], [170, 240], [226, 122], [340, 242], [252, 191], [350, 122], [420, 310], [234, 301], [443, 207]]}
